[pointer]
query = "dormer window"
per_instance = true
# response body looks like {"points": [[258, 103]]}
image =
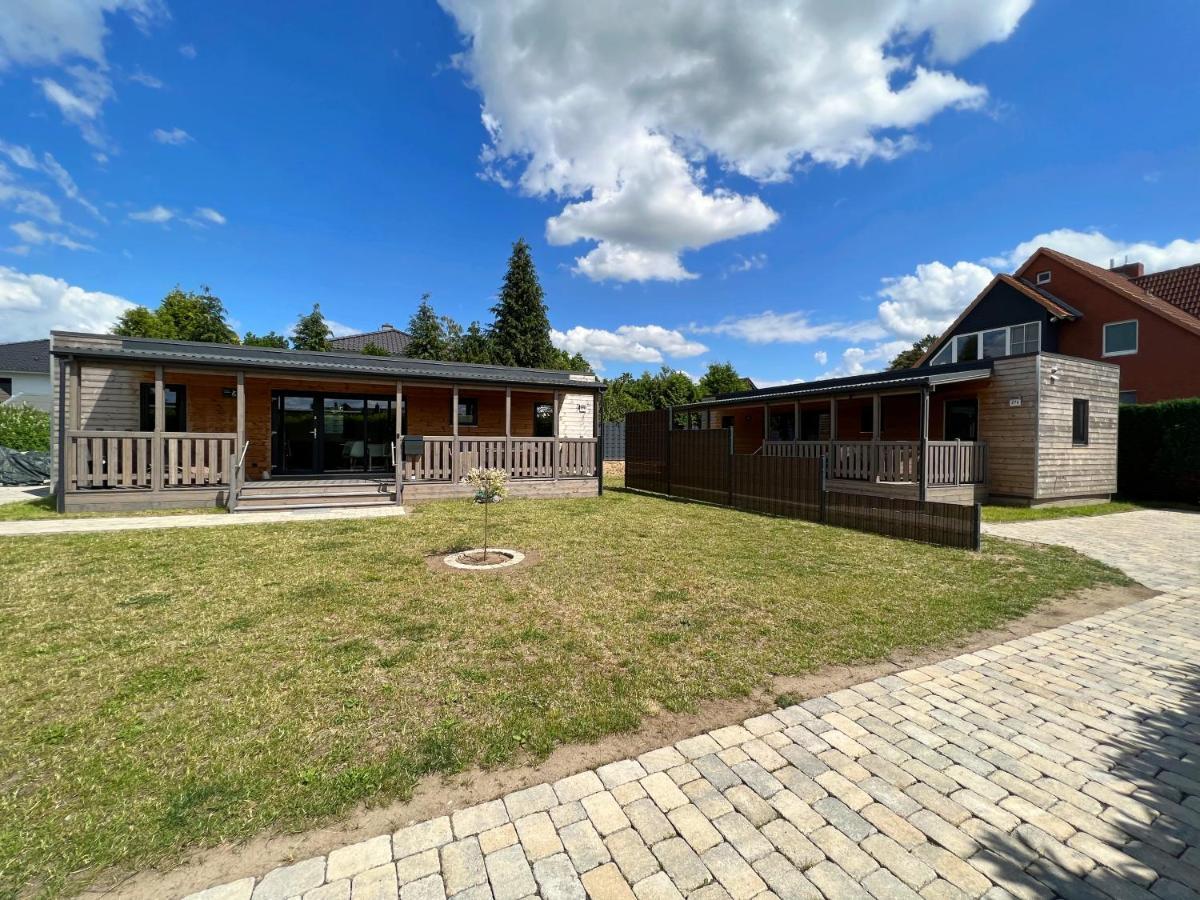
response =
{"points": [[1043, 277], [990, 344]]}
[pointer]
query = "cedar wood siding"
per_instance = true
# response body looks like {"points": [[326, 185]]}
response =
{"points": [[1164, 366], [1066, 470]]}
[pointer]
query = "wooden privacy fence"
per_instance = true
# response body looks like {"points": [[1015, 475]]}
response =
{"points": [[701, 465]]}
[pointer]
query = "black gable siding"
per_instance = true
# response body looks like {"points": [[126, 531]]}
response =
{"points": [[1005, 305]]}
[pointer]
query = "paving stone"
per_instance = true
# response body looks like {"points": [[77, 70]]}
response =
{"points": [[335, 890], [622, 772], [797, 812], [745, 838], [694, 827], [538, 836], [566, 813], [832, 881], [884, 885], [716, 772], [713, 891], [682, 864], [707, 798], [428, 888], [631, 855], [661, 759], [904, 865], [800, 784], [894, 826], [731, 735], [462, 865], [576, 787], [663, 791], [531, 800], [751, 805], [346, 862], [417, 866], [843, 851], [953, 869], [843, 818], [789, 840], [733, 872], [498, 838], [379, 883], [784, 879], [479, 892], [649, 821], [605, 812], [234, 890], [759, 779], [606, 883], [290, 881], [628, 792], [657, 887], [584, 846], [557, 879], [509, 873], [478, 819]]}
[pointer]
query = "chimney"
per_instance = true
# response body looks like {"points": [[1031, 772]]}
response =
{"points": [[387, 326], [1129, 269]]}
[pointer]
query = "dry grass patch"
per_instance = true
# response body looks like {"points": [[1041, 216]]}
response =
{"points": [[168, 690]]}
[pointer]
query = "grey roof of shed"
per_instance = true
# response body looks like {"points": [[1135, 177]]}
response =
{"points": [[26, 356], [857, 384], [193, 353]]}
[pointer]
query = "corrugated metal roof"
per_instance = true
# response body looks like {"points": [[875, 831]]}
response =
{"points": [[854, 384], [202, 354]]}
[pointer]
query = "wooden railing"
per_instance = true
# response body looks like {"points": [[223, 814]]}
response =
{"points": [[957, 462], [149, 461], [449, 458], [949, 462]]}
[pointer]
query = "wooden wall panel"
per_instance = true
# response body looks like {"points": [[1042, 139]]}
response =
{"points": [[1064, 469]]}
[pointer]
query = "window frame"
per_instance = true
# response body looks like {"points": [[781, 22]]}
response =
{"points": [[1137, 328], [471, 412], [952, 342], [6, 386], [146, 407], [1043, 277], [538, 419], [1121, 395], [1078, 403]]}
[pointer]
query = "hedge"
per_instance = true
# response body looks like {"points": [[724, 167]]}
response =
{"points": [[1159, 453], [24, 428]]}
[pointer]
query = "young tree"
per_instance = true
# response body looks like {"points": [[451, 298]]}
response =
{"points": [[623, 396], [721, 378], [370, 348], [520, 334], [426, 333], [270, 339], [906, 359], [471, 346], [181, 316], [312, 331], [568, 362]]}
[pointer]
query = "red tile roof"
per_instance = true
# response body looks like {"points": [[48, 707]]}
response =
{"points": [[1179, 287]]}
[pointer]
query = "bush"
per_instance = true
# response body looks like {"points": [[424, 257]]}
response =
{"points": [[24, 428], [1159, 451]]}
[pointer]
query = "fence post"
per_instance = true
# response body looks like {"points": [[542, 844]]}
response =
{"points": [[823, 461], [670, 425], [957, 460], [976, 529], [729, 465]]}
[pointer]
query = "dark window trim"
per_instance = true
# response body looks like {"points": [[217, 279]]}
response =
{"points": [[146, 406], [548, 419], [1127, 397], [6, 386], [866, 419], [1080, 425], [469, 417]]}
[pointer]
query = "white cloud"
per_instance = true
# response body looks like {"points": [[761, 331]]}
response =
{"points": [[159, 215], [633, 114], [175, 136], [206, 214], [859, 360], [31, 234], [745, 264], [146, 80], [821, 357], [187, 51], [31, 305], [928, 300], [775, 382], [628, 343], [338, 329], [82, 104], [1099, 249], [21, 156], [789, 328], [66, 184], [44, 32], [25, 200]]}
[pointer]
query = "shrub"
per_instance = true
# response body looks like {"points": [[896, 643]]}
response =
{"points": [[1159, 451], [24, 428]]}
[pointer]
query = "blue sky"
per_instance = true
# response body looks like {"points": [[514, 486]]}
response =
{"points": [[798, 189]]}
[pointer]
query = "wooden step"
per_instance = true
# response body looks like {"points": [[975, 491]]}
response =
{"points": [[298, 494], [263, 504]]}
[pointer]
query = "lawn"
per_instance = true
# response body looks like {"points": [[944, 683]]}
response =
{"points": [[167, 690], [1033, 514], [44, 508]]}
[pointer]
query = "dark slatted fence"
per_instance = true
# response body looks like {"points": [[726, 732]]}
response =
{"points": [[701, 465]]}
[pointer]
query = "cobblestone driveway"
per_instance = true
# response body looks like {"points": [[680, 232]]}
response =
{"points": [[1066, 763]]}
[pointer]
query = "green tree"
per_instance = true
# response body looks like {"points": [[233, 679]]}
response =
{"points": [[624, 395], [181, 316], [906, 359], [312, 331], [569, 362], [370, 348], [721, 378], [472, 345], [520, 333], [270, 339], [24, 428], [426, 333]]}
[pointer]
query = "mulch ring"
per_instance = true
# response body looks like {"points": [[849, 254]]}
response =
{"points": [[437, 562]]}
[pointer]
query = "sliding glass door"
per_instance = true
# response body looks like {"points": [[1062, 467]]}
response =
{"points": [[332, 433]]}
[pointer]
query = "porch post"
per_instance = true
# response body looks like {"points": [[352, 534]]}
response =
{"points": [[557, 395], [508, 430], [60, 501], [241, 411], [833, 432], [454, 474], [766, 423], [74, 420], [796, 420], [160, 421], [399, 445], [876, 431], [923, 468]]}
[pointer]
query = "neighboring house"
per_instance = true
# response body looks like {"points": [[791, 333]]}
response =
{"points": [[155, 423], [388, 338], [1034, 428], [1148, 325], [25, 373]]}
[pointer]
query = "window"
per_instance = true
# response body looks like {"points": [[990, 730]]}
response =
{"points": [[726, 421], [943, 356], [1120, 338], [543, 420], [468, 411], [174, 402], [6, 387], [1025, 338], [782, 426], [1127, 397], [810, 424], [1079, 422], [966, 347], [995, 343], [866, 419], [960, 421], [1043, 277]]}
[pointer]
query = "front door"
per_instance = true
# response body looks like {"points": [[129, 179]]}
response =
{"points": [[962, 420], [296, 434]]}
